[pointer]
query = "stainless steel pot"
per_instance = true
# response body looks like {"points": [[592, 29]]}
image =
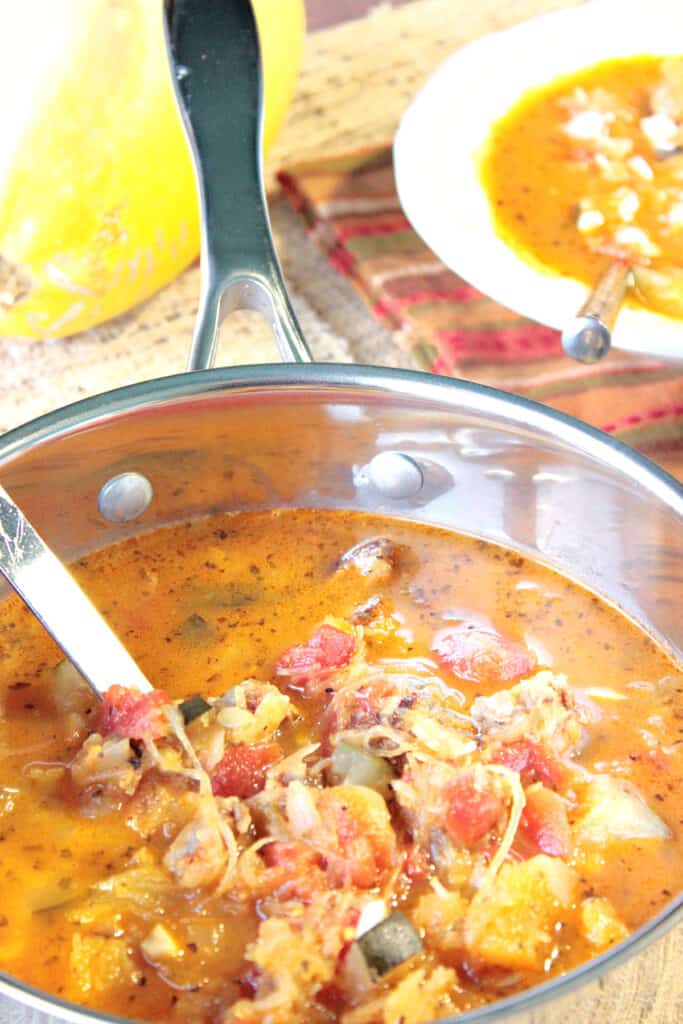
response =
{"points": [[411, 445]]}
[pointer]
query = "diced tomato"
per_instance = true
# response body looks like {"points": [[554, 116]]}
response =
{"points": [[471, 811], [249, 980], [333, 998], [242, 769], [295, 871], [127, 712], [532, 761], [358, 823], [544, 822], [309, 666], [482, 656]]}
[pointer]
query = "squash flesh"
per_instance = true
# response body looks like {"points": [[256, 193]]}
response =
{"points": [[98, 206]]}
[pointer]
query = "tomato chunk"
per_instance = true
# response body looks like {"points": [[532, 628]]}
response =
{"points": [[544, 823], [362, 842], [308, 666], [471, 811], [127, 712], [242, 769], [482, 655], [533, 762], [295, 871]]}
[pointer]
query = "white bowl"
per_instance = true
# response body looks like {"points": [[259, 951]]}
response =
{"points": [[443, 131]]}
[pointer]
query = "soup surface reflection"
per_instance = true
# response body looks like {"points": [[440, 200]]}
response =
{"points": [[389, 773]]}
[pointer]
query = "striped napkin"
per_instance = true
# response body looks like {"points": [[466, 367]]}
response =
{"points": [[352, 211]]}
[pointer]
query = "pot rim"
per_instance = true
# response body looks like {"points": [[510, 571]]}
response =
{"points": [[407, 384], [410, 384]]}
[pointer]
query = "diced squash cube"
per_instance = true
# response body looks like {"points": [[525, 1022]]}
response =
{"points": [[293, 967], [511, 922], [421, 996], [98, 963], [600, 924], [441, 918]]}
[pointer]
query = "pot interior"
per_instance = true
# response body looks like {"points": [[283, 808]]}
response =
{"points": [[480, 462], [492, 466]]}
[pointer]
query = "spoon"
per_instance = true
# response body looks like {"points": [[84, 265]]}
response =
{"points": [[213, 51], [50, 591], [587, 338]]}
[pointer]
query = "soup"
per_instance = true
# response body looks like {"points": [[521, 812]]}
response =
{"points": [[589, 170], [389, 773]]}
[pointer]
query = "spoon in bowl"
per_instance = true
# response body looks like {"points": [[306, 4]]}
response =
{"points": [[55, 598], [587, 338]]}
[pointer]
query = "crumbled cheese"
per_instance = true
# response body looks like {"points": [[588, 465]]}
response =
{"points": [[641, 167], [587, 125], [628, 204], [609, 169], [636, 239], [589, 220], [661, 130], [616, 148]]}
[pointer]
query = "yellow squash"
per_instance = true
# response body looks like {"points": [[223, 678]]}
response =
{"points": [[98, 206]]}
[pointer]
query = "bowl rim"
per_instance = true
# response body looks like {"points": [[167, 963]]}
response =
{"points": [[416, 386]]}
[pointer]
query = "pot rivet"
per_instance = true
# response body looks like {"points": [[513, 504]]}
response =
{"points": [[396, 475], [124, 497]]}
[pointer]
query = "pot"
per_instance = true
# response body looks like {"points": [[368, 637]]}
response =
{"points": [[406, 444]]}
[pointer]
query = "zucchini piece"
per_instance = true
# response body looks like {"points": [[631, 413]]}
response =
{"points": [[390, 943], [193, 707], [356, 766]]}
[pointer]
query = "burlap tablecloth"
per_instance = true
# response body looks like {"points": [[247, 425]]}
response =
{"points": [[356, 81]]}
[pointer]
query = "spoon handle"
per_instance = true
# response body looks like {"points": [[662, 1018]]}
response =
{"points": [[216, 62], [48, 588], [588, 337]]}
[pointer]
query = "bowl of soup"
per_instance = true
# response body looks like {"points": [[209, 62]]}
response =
{"points": [[414, 748], [533, 182]]}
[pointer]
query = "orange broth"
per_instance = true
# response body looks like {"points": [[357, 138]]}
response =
{"points": [[250, 586]]}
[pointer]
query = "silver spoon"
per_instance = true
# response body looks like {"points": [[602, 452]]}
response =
{"points": [[54, 597], [587, 338]]}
